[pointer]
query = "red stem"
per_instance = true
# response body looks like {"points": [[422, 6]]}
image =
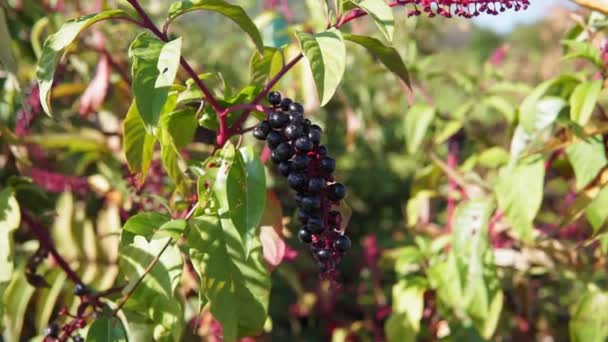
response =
{"points": [[46, 241]]}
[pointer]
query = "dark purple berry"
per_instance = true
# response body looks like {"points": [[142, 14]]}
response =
{"points": [[322, 151], [323, 255], [283, 152], [81, 290], [305, 235], [261, 131], [297, 180], [311, 203], [296, 118], [296, 107], [278, 120], [52, 330], [300, 162], [303, 216], [336, 191], [274, 139], [342, 244], [323, 267], [285, 168], [304, 144], [78, 338], [285, 102], [316, 184], [274, 98], [314, 135], [328, 164], [293, 131], [315, 225]]}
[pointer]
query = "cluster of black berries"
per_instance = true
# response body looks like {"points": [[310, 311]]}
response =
{"points": [[296, 148]]}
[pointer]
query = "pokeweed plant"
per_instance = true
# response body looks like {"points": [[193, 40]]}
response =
{"points": [[204, 224]]}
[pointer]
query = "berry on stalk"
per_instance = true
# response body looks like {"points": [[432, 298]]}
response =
{"points": [[274, 98]]}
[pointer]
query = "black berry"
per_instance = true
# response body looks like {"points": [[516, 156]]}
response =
{"points": [[81, 290], [314, 135], [336, 191], [303, 216], [322, 151], [285, 102], [342, 244], [297, 180], [293, 131], [52, 330], [261, 131], [311, 203], [304, 144], [78, 338], [296, 107], [285, 168], [305, 235], [278, 120], [323, 255], [296, 117], [316, 184], [274, 139], [328, 164], [300, 162], [274, 98], [314, 225], [283, 152]]}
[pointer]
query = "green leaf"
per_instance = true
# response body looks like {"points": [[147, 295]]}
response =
{"points": [[181, 126], [583, 50], [382, 14], [7, 58], [54, 47], [233, 12], [583, 100], [145, 224], [597, 211], [106, 329], [529, 109], [10, 217], [326, 55], [263, 67], [587, 158], [387, 55], [16, 298], [408, 298], [236, 286], [470, 229], [154, 68], [156, 296], [589, 322], [46, 298], [398, 328], [520, 193], [138, 144], [240, 187], [501, 105], [417, 121]]}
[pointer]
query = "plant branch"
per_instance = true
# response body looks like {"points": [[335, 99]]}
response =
{"points": [[148, 24], [46, 241]]}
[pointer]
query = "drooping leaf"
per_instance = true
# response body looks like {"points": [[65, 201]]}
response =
{"points": [[145, 224], [154, 68], [7, 57], [408, 299], [10, 218], [417, 121], [55, 45], [16, 298], [107, 329], [181, 126], [387, 55], [520, 192], [582, 101], [236, 287], [46, 298], [233, 12], [240, 187], [138, 144], [382, 14], [584, 50], [155, 297], [587, 158], [588, 322], [326, 55]]}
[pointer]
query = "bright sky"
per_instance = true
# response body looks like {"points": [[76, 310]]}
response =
{"points": [[507, 21]]}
